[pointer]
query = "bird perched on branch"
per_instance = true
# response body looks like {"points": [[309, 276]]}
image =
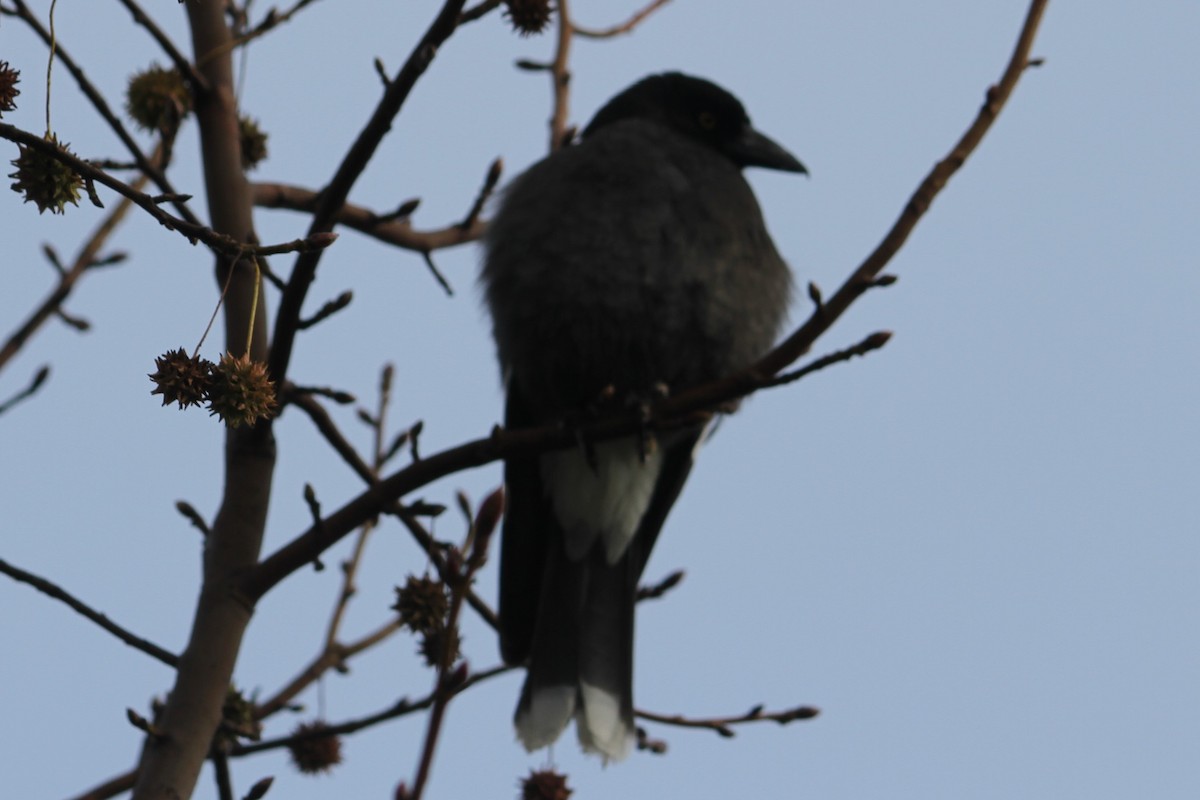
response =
{"points": [[632, 260]]}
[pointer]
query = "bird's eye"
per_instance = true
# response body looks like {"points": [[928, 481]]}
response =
{"points": [[707, 120]]}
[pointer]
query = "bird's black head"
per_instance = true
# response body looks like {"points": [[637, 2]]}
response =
{"points": [[700, 110]]}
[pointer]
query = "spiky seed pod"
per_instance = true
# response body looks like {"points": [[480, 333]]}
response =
{"points": [[9, 78], [158, 99], [528, 16], [434, 640], [45, 180], [181, 378], [545, 784], [254, 142], [240, 392], [422, 603], [316, 754], [237, 716]]}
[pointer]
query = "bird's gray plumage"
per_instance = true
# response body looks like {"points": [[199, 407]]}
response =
{"points": [[634, 259]]}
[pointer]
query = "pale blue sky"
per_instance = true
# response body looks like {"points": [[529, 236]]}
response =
{"points": [[977, 550]]}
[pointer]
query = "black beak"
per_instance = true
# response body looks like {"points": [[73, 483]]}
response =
{"points": [[753, 149]]}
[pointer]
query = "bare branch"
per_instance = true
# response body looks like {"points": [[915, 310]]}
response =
{"points": [[181, 62], [35, 383], [475, 12], [560, 78], [334, 195], [724, 725], [873, 342], [392, 228], [400, 708], [625, 27], [58, 593], [218, 242], [87, 258]]}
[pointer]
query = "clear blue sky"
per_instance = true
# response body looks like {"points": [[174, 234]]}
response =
{"points": [[977, 550]]}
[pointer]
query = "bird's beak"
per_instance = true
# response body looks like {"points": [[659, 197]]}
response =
{"points": [[753, 149]]}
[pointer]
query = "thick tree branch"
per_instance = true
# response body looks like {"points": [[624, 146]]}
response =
{"points": [[171, 763]]}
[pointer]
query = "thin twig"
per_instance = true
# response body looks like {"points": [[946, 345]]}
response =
{"points": [[863, 278], [624, 27], [400, 708], [724, 725], [873, 342], [560, 78], [329, 658], [450, 679], [58, 593], [475, 12], [181, 62], [272, 20], [86, 259], [35, 383], [390, 228], [334, 195]]}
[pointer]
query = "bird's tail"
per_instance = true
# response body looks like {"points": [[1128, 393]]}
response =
{"points": [[581, 664]]}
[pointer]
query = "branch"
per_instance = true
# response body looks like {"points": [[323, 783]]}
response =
{"points": [[329, 658], [400, 708], [398, 232], [178, 200], [724, 725], [88, 257], [625, 27], [218, 242], [560, 77], [475, 12], [53, 590], [273, 19], [181, 62], [35, 383], [333, 197], [873, 342], [450, 679], [863, 278]]}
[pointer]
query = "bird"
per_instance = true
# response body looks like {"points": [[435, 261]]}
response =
{"points": [[633, 261]]}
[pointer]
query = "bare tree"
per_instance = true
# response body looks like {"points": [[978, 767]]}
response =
{"points": [[203, 718]]}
